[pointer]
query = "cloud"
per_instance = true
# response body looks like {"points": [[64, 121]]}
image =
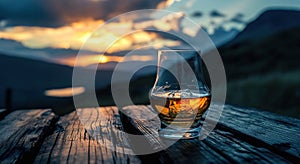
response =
{"points": [[239, 15], [238, 18], [27, 12], [216, 13], [197, 14], [76, 34], [54, 13]]}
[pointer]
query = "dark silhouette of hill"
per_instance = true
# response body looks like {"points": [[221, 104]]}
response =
{"points": [[279, 52], [28, 73], [15, 48], [29, 79], [268, 23], [264, 73]]}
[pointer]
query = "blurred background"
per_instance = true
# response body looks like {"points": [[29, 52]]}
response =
{"points": [[259, 42]]}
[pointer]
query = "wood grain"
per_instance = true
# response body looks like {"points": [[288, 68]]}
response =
{"points": [[140, 120], [279, 134], [22, 133], [71, 143], [98, 136], [222, 145]]}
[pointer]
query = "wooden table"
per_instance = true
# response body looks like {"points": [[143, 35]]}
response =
{"points": [[241, 135]]}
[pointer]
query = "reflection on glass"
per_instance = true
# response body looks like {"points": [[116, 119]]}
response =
{"points": [[180, 94]]}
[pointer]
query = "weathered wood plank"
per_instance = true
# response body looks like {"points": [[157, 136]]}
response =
{"points": [[278, 133], [221, 145], [22, 133], [236, 149], [71, 143], [140, 120]]}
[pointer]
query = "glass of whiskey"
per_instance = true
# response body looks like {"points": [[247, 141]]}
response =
{"points": [[180, 95]]}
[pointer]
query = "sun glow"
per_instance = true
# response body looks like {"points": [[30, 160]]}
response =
{"points": [[86, 34], [87, 60], [103, 59], [70, 36]]}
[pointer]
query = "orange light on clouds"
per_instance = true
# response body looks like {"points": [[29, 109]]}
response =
{"points": [[86, 60], [70, 36], [130, 41], [164, 4], [86, 34]]}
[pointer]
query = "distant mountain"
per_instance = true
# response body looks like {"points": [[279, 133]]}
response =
{"points": [[15, 48], [222, 36], [268, 23], [276, 53], [29, 79], [262, 63], [263, 72]]}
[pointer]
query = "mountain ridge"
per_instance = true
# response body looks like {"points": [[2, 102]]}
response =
{"points": [[270, 21]]}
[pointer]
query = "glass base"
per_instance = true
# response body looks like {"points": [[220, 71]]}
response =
{"points": [[179, 133]]}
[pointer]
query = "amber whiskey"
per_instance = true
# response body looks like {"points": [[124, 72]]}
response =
{"points": [[181, 109]]}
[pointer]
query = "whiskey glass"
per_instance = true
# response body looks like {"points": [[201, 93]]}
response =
{"points": [[180, 95]]}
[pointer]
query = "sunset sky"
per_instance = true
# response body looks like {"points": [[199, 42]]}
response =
{"points": [[69, 23]]}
